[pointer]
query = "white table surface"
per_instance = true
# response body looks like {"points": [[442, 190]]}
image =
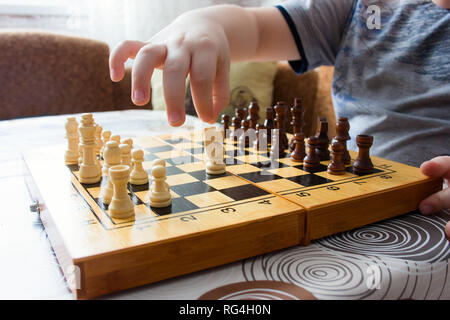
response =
{"points": [[408, 257]]}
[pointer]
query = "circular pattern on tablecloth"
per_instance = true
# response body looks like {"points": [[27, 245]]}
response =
{"points": [[413, 237], [323, 273], [258, 290]]}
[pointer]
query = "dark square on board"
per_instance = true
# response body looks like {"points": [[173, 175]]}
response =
{"points": [[309, 180], [192, 188], [246, 191], [259, 176], [177, 205]]}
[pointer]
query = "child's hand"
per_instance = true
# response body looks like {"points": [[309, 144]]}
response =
{"points": [[437, 167], [202, 42], [193, 43]]}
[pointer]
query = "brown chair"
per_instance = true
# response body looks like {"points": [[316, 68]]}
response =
{"points": [[43, 73]]}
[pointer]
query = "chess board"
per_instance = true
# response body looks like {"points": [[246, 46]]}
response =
{"points": [[259, 205]]}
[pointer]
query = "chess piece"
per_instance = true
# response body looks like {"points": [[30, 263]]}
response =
{"points": [[276, 150], [116, 138], [129, 142], [214, 148], [297, 112], [160, 162], [280, 119], [121, 206], [298, 154], [90, 169], [322, 149], [106, 135], [244, 139], [159, 195], [98, 138], [253, 115], [342, 129], [261, 138], [226, 124], [269, 123], [241, 113], [72, 153], [236, 128], [126, 154], [336, 166], [312, 160], [112, 157], [363, 164], [138, 175]]}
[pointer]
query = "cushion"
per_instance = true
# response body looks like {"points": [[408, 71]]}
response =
{"points": [[248, 81]]}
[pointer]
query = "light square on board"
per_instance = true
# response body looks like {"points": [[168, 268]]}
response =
{"points": [[174, 153], [279, 185], [225, 182], [142, 211], [242, 168], [287, 172], [182, 178], [209, 199], [190, 167], [94, 192], [336, 177]]}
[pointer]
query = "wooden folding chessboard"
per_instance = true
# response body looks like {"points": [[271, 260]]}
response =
{"points": [[258, 206]]}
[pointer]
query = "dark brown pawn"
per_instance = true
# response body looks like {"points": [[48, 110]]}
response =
{"points": [[312, 160], [298, 154], [280, 119], [297, 112], [336, 166], [226, 124], [244, 140], [240, 113], [342, 129], [275, 149], [363, 164], [322, 150], [269, 123], [261, 135], [236, 126], [253, 114]]}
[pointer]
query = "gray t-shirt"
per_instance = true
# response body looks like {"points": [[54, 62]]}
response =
{"points": [[392, 74]]}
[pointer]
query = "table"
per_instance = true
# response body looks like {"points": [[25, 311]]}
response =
{"points": [[402, 258]]}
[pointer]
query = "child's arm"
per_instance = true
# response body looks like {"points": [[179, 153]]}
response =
{"points": [[437, 167], [203, 42]]}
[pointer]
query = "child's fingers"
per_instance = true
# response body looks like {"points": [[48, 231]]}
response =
{"points": [[120, 54], [437, 201], [447, 230], [149, 57], [221, 88], [437, 167], [203, 72], [175, 72]]}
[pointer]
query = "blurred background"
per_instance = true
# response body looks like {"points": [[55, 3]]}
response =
{"points": [[110, 21]]}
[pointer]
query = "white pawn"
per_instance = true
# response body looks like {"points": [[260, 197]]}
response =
{"points": [[72, 153], [112, 157], [126, 154], [129, 142], [160, 162], [98, 138], [159, 195], [215, 163], [121, 206], [116, 138], [106, 135], [138, 175]]}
